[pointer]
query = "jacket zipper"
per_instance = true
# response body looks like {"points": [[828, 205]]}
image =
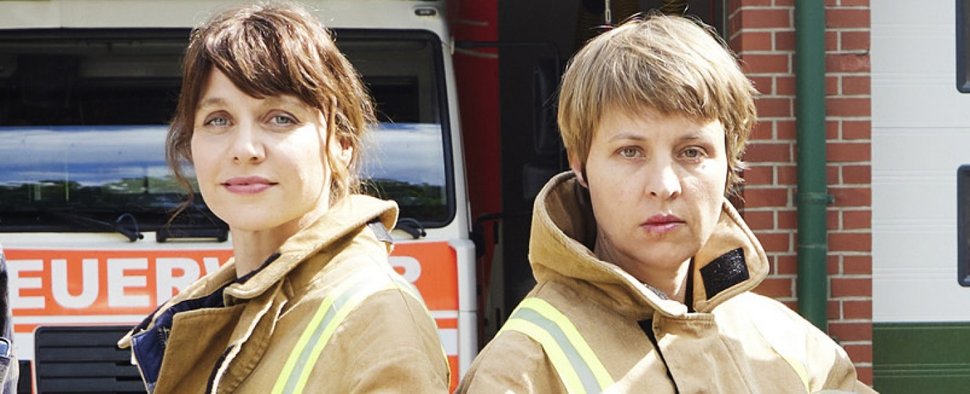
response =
{"points": [[647, 327]]}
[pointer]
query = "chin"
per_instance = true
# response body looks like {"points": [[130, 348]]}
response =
{"points": [[668, 258], [250, 224], [666, 261]]}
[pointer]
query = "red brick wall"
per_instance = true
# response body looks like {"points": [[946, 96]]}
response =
{"points": [[762, 33]]}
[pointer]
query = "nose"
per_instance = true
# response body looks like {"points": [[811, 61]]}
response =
{"points": [[664, 183], [246, 145]]}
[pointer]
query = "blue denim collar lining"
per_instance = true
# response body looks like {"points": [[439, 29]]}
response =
{"points": [[148, 346]]}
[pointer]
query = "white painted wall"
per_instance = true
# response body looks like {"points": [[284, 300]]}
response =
{"points": [[920, 136]]}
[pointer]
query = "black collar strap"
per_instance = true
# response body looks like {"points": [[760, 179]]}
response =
{"points": [[724, 272]]}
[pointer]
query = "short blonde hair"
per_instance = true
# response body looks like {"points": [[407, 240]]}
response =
{"points": [[669, 64], [275, 49]]}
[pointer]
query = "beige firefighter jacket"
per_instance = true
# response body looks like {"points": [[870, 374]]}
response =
{"points": [[272, 335], [734, 341]]}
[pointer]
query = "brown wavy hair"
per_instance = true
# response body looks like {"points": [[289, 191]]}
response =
{"points": [[269, 50]]}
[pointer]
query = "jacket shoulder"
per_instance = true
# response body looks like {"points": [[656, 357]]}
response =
{"points": [[826, 363], [773, 318], [385, 338], [362, 260], [392, 342], [768, 305]]}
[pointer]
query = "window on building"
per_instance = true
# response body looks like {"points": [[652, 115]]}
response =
{"points": [[963, 225], [963, 42]]}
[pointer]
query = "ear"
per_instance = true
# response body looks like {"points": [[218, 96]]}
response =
{"points": [[344, 152], [578, 169]]}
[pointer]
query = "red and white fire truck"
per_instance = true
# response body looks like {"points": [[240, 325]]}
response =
{"points": [[86, 91]]}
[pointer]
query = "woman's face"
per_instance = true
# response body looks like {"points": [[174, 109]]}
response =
{"points": [[656, 185], [260, 162]]}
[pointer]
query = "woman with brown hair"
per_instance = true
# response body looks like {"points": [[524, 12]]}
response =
{"points": [[271, 117]]}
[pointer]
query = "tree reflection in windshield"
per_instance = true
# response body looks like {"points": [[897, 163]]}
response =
{"points": [[405, 162], [106, 171]]}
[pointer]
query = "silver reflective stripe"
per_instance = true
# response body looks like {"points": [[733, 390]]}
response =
{"points": [[307, 351], [579, 365]]}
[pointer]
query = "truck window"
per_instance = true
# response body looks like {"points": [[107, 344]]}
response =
{"points": [[83, 118]]}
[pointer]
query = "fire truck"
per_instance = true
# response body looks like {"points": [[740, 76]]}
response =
{"points": [[87, 88], [86, 91]]}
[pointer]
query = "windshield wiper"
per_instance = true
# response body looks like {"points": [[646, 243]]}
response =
{"points": [[413, 227], [133, 234], [212, 227], [220, 234]]}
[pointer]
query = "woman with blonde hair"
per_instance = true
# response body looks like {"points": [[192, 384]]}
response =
{"points": [[643, 267], [270, 117]]}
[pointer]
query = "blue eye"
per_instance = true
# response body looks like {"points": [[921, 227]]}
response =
{"points": [[217, 121], [282, 120]]}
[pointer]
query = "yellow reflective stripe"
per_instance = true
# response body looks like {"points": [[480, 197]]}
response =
{"points": [[328, 317], [575, 338], [560, 362], [287, 370], [800, 370], [786, 337], [332, 311], [328, 331], [408, 288], [577, 365]]}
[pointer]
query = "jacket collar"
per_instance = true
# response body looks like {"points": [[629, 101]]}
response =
{"points": [[340, 220], [564, 229]]}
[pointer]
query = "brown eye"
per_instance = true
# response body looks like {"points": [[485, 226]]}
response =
{"points": [[692, 153], [629, 152]]}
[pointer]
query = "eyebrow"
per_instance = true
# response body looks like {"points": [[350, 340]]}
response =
{"points": [[211, 102], [627, 136], [692, 136], [273, 101], [268, 101]]}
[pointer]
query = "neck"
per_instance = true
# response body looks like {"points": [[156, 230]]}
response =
{"points": [[252, 248], [672, 280]]}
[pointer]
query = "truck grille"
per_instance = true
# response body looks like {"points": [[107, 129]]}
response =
{"points": [[84, 360]]}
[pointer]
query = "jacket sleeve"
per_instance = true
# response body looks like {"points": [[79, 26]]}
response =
{"points": [[842, 374], [388, 344], [826, 363], [511, 363], [829, 360]]}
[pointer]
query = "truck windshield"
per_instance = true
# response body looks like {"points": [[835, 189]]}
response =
{"points": [[83, 119]]}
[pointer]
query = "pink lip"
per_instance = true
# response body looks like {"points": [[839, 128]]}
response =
{"points": [[662, 224], [247, 185]]}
